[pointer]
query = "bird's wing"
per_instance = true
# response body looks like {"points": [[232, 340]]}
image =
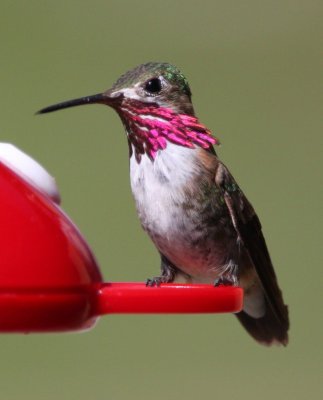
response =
{"points": [[248, 228]]}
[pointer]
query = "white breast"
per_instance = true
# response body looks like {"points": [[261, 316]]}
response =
{"points": [[158, 187]]}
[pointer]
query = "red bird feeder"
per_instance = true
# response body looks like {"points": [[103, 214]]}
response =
{"points": [[49, 279]]}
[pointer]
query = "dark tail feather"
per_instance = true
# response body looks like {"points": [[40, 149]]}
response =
{"points": [[268, 329]]}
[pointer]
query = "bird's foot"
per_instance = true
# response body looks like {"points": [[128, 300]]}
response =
{"points": [[157, 281], [225, 281], [229, 277]]}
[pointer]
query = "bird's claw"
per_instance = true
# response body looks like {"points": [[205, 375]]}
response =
{"points": [[156, 281], [226, 281], [229, 277]]}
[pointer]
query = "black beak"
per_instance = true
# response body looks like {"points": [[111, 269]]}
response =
{"points": [[101, 98]]}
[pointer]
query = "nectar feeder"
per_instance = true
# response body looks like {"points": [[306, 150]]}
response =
{"points": [[49, 278]]}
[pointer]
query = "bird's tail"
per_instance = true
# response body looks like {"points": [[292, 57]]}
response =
{"points": [[268, 329]]}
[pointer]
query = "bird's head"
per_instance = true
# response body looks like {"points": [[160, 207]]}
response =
{"points": [[154, 103]]}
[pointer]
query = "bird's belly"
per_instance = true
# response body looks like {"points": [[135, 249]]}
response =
{"points": [[198, 252], [180, 227]]}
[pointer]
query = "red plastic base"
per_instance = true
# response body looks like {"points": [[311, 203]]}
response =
{"points": [[74, 309]]}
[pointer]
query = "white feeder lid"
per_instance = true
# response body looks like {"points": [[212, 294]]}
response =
{"points": [[30, 170]]}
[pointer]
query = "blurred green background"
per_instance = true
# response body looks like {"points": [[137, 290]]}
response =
{"points": [[253, 67]]}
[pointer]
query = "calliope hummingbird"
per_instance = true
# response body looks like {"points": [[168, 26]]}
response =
{"points": [[202, 224]]}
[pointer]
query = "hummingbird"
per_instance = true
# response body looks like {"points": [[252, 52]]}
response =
{"points": [[200, 221]]}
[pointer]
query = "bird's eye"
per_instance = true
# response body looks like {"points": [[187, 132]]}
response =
{"points": [[153, 86]]}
